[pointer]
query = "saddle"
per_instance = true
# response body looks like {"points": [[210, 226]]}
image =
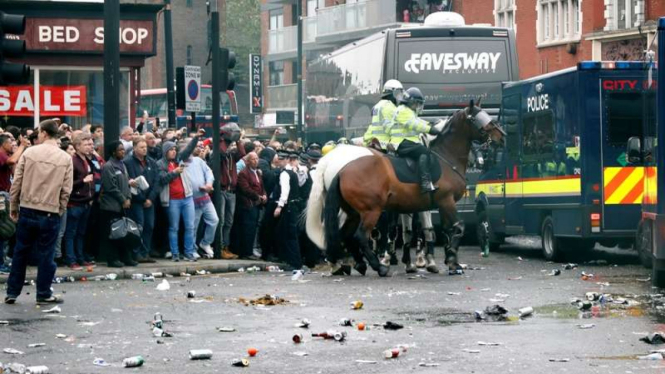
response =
{"points": [[406, 169]]}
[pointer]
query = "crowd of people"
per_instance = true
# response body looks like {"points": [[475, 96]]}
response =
{"points": [[163, 181]]}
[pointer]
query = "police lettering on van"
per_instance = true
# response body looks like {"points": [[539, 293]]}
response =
{"points": [[538, 103]]}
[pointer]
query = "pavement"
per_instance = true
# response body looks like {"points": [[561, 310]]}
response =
{"points": [[111, 320], [213, 266]]}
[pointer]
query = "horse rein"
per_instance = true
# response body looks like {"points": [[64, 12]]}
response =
{"points": [[449, 164]]}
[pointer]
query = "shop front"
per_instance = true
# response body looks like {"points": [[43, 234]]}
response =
{"points": [[64, 48]]}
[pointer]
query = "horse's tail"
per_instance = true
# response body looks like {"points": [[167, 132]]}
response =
{"points": [[331, 218], [315, 204]]}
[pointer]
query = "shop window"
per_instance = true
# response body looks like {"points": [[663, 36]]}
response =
{"points": [[624, 114]]}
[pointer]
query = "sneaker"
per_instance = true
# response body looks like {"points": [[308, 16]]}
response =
{"points": [[4, 269], [10, 299], [196, 255], [75, 266], [227, 255], [191, 258], [175, 258], [207, 250], [168, 255], [50, 300]]}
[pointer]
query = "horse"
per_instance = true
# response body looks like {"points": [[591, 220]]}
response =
{"points": [[358, 183]]}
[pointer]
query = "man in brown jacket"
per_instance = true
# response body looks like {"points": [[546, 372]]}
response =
{"points": [[251, 197], [38, 198]]}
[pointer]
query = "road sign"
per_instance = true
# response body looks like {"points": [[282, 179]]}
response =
{"points": [[192, 88]]}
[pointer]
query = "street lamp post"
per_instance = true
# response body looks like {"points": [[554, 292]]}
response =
{"points": [[111, 73]]}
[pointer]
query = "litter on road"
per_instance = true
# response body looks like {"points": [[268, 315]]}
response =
{"points": [[164, 286], [12, 351], [55, 310], [654, 338], [132, 362], [240, 362], [226, 329], [100, 362], [491, 344], [200, 354]]}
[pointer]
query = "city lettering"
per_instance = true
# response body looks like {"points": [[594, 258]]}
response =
{"points": [[447, 62], [615, 85], [538, 103]]}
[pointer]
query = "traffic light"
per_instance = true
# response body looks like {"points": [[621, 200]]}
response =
{"points": [[228, 62], [9, 72]]}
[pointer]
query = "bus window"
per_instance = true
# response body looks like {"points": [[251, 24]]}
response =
{"points": [[624, 113]]}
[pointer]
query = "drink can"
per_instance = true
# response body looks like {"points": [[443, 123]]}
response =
{"points": [[37, 370], [70, 279], [339, 336], [191, 294], [158, 332], [240, 362], [137, 276], [132, 362], [298, 338], [158, 275], [345, 322], [200, 354], [357, 305], [148, 278], [391, 353], [527, 311]]}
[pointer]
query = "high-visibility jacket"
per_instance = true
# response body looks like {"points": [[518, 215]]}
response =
{"points": [[406, 126], [382, 115]]}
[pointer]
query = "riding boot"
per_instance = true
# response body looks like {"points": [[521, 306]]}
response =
{"points": [[426, 185]]}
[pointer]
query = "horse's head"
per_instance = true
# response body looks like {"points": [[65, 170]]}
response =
{"points": [[483, 127]]}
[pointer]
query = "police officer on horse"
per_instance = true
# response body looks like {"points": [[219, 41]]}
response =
{"points": [[383, 112]]}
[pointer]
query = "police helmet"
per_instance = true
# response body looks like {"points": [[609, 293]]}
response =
{"points": [[393, 89], [327, 148], [414, 99], [343, 141]]}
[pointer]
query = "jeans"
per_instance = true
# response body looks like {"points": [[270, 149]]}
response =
{"points": [[75, 230], [227, 210], [61, 234], [211, 221], [146, 218], [181, 208], [35, 231]]}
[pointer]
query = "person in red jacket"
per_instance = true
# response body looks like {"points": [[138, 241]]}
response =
{"points": [[251, 196], [228, 179]]}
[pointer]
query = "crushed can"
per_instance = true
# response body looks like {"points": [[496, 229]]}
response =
{"points": [[191, 294], [240, 362], [132, 362], [339, 336], [298, 338], [148, 278], [137, 276], [37, 370], [157, 321], [200, 354], [158, 275], [391, 353], [570, 266], [356, 305], [524, 312], [345, 322], [592, 296]]}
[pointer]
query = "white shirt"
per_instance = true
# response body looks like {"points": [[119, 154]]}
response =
{"points": [[302, 175], [285, 186]]}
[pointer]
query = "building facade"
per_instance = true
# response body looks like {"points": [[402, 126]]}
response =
{"points": [[551, 34]]}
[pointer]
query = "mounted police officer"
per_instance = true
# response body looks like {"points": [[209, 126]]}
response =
{"points": [[404, 132], [382, 113]]}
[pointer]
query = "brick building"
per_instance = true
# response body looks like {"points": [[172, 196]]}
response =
{"points": [[551, 34]]}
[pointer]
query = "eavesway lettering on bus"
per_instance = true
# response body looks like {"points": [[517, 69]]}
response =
{"points": [[451, 61]]}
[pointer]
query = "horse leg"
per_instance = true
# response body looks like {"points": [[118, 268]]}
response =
{"points": [[368, 221], [453, 231], [407, 232], [392, 236], [347, 232], [428, 230]]}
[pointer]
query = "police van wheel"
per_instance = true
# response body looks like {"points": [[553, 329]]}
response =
{"points": [[643, 243], [552, 246]]}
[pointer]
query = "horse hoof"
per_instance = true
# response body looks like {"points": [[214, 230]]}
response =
{"points": [[420, 260], [433, 269], [383, 271], [361, 268], [410, 269]]}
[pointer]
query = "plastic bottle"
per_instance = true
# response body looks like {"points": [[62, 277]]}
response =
{"points": [[132, 362]]}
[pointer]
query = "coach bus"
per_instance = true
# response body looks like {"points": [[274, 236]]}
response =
{"points": [[564, 174], [449, 61], [155, 103]]}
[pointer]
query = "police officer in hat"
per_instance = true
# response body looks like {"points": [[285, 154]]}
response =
{"points": [[382, 113], [404, 134], [287, 211]]}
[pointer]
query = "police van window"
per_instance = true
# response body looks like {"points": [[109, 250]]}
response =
{"points": [[624, 114], [537, 144], [508, 118]]}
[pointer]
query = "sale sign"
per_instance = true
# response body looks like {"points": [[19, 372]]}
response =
{"points": [[53, 101]]}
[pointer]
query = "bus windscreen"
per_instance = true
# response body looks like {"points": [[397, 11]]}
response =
{"points": [[452, 70]]}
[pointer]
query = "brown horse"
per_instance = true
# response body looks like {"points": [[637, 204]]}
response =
{"points": [[362, 183]]}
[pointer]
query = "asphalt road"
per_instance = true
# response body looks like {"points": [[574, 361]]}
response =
{"points": [[111, 320]]}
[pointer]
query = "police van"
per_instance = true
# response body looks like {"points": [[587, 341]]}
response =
{"points": [[564, 174]]}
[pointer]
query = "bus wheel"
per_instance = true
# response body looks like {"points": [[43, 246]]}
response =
{"points": [[643, 244], [484, 233], [552, 246]]}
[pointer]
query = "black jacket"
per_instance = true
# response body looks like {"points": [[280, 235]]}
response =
{"points": [[151, 174]]}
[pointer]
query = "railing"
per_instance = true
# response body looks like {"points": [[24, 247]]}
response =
{"points": [[355, 16], [309, 31], [284, 96], [283, 40]]}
